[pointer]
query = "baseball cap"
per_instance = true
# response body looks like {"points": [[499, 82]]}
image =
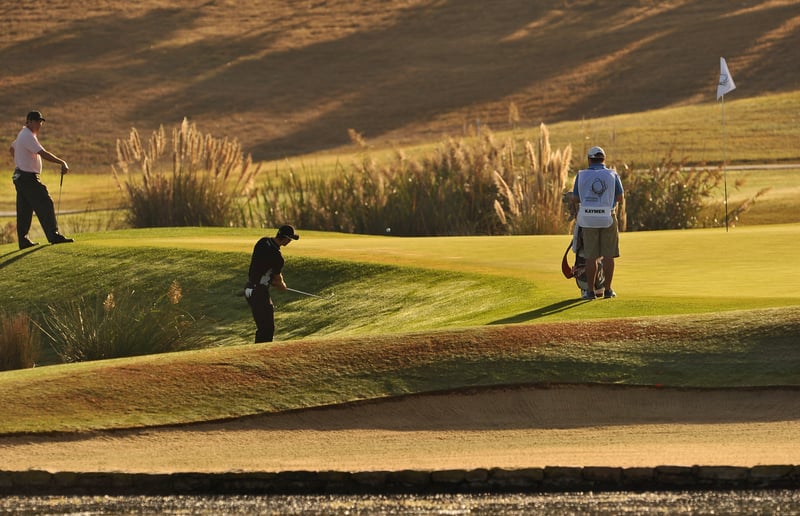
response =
{"points": [[35, 115], [287, 231], [597, 152]]}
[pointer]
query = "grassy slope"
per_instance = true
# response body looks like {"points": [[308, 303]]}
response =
{"points": [[733, 349], [386, 328], [287, 79], [757, 129]]}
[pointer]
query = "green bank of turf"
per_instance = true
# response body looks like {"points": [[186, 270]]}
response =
{"points": [[735, 349], [388, 284], [211, 267]]}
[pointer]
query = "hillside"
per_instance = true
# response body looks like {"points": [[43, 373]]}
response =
{"points": [[287, 80]]}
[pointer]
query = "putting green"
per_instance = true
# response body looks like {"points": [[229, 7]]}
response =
{"points": [[742, 263]]}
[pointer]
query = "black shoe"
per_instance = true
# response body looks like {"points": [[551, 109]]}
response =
{"points": [[24, 244], [61, 239]]}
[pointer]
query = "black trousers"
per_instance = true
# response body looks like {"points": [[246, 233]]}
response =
{"points": [[263, 313], [32, 196]]}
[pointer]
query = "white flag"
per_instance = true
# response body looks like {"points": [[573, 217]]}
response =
{"points": [[725, 80]]}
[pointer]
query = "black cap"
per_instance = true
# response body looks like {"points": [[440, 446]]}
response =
{"points": [[35, 115], [287, 231]]}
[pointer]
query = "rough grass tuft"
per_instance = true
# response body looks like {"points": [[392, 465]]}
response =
{"points": [[119, 324], [19, 344]]}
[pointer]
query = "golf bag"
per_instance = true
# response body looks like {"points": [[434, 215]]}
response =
{"points": [[578, 270]]}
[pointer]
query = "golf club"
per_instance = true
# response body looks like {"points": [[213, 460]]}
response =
{"points": [[60, 187], [307, 293]]}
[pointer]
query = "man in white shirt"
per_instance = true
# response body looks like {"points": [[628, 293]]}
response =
{"points": [[32, 195]]}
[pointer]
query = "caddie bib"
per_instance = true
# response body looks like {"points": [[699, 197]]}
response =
{"points": [[595, 216], [596, 192]]}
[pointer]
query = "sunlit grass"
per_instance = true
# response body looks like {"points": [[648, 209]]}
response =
{"points": [[407, 315], [757, 130], [764, 129], [734, 349]]}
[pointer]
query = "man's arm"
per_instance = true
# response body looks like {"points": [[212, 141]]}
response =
{"points": [[54, 159], [575, 199], [277, 281]]}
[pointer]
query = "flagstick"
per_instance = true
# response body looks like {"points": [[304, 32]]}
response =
{"points": [[725, 85], [724, 171]]}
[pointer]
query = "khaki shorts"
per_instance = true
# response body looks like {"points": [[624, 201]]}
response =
{"points": [[601, 242]]}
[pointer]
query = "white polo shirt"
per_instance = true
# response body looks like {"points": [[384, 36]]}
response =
{"points": [[26, 152]]}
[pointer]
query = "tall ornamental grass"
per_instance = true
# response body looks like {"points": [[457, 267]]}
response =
{"points": [[19, 342], [671, 196], [190, 179], [448, 193], [531, 187], [120, 324], [476, 187]]}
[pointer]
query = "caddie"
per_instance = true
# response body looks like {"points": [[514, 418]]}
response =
{"points": [[596, 193]]}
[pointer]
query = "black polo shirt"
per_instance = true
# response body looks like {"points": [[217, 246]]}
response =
{"points": [[267, 260]]}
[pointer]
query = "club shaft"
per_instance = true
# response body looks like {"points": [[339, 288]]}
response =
{"points": [[60, 187], [304, 293]]}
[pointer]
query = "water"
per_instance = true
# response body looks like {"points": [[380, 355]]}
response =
{"points": [[625, 503]]}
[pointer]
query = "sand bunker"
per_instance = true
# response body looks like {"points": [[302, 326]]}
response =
{"points": [[563, 425]]}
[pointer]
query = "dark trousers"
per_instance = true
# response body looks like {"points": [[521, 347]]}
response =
{"points": [[32, 196], [263, 314]]}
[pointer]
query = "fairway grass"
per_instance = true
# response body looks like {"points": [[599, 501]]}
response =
{"points": [[405, 315]]}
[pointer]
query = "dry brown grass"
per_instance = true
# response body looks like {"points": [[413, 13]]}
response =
{"points": [[196, 180], [286, 79], [19, 344], [533, 191]]}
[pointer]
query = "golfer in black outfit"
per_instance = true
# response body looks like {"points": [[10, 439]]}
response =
{"points": [[266, 266]]}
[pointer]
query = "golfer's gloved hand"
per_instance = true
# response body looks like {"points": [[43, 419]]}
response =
{"points": [[248, 292]]}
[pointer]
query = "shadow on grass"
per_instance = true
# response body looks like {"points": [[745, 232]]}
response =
{"points": [[541, 312], [16, 255]]}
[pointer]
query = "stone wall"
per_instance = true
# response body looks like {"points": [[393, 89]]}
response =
{"points": [[495, 480]]}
